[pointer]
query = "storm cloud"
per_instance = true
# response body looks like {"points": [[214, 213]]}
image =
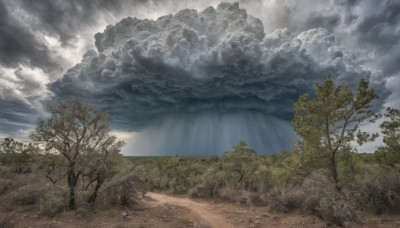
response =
{"points": [[218, 59], [17, 45]]}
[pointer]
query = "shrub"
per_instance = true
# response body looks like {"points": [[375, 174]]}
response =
{"points": [[316, 186], [52, 203], [213, 180], [256, 198], [26, 195], [380, 192], [338, 208], [229, 194], [286, 199], [122, 190]]}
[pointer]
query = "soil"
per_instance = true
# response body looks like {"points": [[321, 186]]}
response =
{"points": [[160, 210], [203, 210]]}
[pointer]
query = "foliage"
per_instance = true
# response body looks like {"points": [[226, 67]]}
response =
{"points": [[52, 165], [241, 150], [338, 209], [390, 153], [379, 190], [236, 163], [17, 155], [122, 189], [51, 203], [285, 199], [330, 121], [80, 134]]}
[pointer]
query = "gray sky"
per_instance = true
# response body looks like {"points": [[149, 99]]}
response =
{"points": [[198, 79]]}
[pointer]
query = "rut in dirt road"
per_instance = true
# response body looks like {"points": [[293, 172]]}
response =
{"points": [[203, 210]]}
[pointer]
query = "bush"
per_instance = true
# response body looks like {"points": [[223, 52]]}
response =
{"points": [[229, 195], [26, 195], [258, 199], [380, 192], [213, 181], [315, 187], [122, 191], [286, 199], [338, 208], [52, 203]]}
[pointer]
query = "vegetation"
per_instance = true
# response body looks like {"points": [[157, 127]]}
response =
{"points": [[73, 160], [80, 134], [389, 154], [17, 156], [328, 123]]}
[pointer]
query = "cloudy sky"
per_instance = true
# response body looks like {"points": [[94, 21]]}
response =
{"points": [[192, 77]]}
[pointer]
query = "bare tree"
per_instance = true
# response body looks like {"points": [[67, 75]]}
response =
{"points": [[75, 130]]}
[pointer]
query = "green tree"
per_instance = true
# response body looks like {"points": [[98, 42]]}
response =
{"points": [[17, 155], [241, 149], [390, 153], [238, 159], [75, 130], [329, 122]]}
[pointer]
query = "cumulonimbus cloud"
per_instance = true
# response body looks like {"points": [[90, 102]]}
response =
{"points": [[218, 59]]}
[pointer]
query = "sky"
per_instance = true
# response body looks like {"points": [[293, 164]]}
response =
{"points": [[192, 77]]}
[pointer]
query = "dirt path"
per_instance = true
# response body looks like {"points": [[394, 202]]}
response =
{"points": [[203, 210]]}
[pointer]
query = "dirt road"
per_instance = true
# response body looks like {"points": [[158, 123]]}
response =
{"points": [[204, 210]]}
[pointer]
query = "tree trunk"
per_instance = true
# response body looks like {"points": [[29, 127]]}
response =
{"points": [[241, 173], [335, 173], [72, 180], [92, 198], [71, 204]]}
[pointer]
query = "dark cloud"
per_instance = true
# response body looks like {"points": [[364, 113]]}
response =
{"points": [[379, 32], [21, 93], [381, 26], [214, 60], [18, 45], [23, 23], [15, 114], [28, 61], [64, 18]]}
